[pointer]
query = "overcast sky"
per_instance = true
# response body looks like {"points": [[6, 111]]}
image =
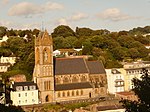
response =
{"points": [[113, 15]]}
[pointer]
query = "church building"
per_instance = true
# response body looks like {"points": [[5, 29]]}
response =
{"points": [[66, 79]]}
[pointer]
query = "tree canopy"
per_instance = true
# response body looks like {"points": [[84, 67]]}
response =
{"points": [[141, 88]]}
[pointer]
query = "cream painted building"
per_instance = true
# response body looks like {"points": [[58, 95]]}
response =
{"points": [[10, 59], [26, 93], [133, 70], [4, 67], [115, 80]]}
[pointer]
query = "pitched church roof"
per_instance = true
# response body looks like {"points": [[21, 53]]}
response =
{"points": [[77, 66], [95, 67], [70, 66], [72, 86]]}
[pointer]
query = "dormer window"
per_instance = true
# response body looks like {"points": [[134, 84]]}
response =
{"points": [[25, 88], [19, 88], [32, 87]]}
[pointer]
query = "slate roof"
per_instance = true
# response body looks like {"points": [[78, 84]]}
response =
{"points": [[111, 107], [23, 84], [115, 71], [5, 64], [72, 86], [95, 67], [70, 66]]}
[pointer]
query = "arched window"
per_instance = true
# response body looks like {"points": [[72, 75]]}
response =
{"points": [[72, 93], [77, 93], [68, 93], [58, 94], [65, 80], [58, 80], [75, 79], [83, 79], [63, 94], [81, 92]]}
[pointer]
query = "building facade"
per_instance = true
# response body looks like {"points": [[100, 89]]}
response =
{"points": [[66, 79], [10, 59], [115, 81], [133, 70], [25, 93]]}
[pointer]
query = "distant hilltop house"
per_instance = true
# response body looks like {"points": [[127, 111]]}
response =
{"points": [[11, 59], [66, 79], [4, 67], [66, 52], [6, 62], [3, 39]]}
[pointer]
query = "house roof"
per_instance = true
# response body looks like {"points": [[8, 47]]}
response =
{"points": [[5, 64], [115, 71], [95, 67], [110, 107], [70, 66], [31, 83], [72, 86]]}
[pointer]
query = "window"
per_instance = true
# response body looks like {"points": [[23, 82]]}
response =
{"points": [[72, 93], [25, 88], [77, 93], [47, 85], [25, 94], [19, 95], [75, 79], [81, 92], [33, 100], [58, 80], [32, 87], [19, 88], [25, 101], [58, 95], [65, 80], [68, 93], [63, 94], [83, 79], [19, 101]]}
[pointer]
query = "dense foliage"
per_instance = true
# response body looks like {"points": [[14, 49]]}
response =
{"points": [[142, 90], [10, 108], [109, 47]]}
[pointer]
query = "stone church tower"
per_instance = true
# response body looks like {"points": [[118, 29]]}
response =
{"points": [[43, 71]]}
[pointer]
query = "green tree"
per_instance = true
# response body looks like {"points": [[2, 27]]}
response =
{"points": [[3, 31], [69, 42], [10, 108], [81, 32], [58, 42], [142, 90], [133, 53], [87, 48], [119, 53], [64, 31]]}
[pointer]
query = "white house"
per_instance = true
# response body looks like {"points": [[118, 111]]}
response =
{"points": [[10, 59], [115, 81], [4, 67], [26, 93], [4, 38]]}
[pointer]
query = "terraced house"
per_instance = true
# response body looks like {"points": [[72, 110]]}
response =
{"points": [[66, 79]]}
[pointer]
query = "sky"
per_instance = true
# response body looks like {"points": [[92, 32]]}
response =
{"points": [[113, 15]]}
